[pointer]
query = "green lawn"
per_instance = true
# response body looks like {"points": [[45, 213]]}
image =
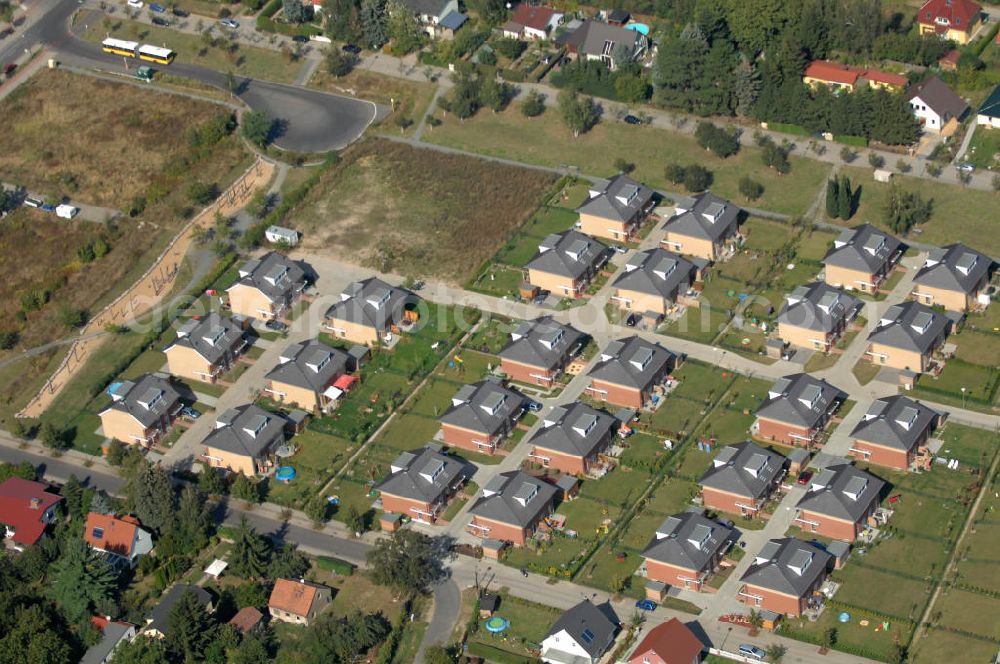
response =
{"points": [[524, 245], [865, 371], [492, 334], [970, 612], [852, 636], [984, 148], [980, 382], [939, 645], [529, 623], [318, 457], [545, 140]]}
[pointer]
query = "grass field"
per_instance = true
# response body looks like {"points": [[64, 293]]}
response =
{"points": [[959, 214], [417, 212], [545, 140], [984, 149], [409, 99], [241, 60]]}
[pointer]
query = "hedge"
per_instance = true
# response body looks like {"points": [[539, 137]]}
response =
{"points": [[856, 141], [335, 565], [498, 655], [788, 128]]}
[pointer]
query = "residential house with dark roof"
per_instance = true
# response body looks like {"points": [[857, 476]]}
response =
{"points": [[906, 337], [686, 550], [539, 351], [581, 635], [511, 507], [937, 107], [113, 634], [617, 207], [893, 431], [611, 45], [122, 541], [205, 349], [266, 287], [988, 115], [430, 13], [653, 281], [838, 76], [306, 376], [482, 415], [705, 226], [861, 259], [956, 20], [530, 22], [26, 509], [954, 277], [421, 482], [244, 440], [573, 438], [630, 372], [785, 577], [797, 409], [158, 623], [297, 602], [141, 411], [566, 263], [369, 310], [814, 316], [742, 478], [838, 503], [670, 642]]}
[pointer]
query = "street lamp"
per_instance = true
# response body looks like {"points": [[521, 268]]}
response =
{"points": [[963, 397]]}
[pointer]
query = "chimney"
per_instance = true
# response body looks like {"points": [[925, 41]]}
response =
{"points": [[36, 503]]}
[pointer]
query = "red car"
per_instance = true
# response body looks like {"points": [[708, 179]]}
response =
{"points": [[804, 477], [8, 69]]}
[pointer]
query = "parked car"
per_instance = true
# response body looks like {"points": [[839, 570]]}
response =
{"points": [[302, 39], [534, 406], [190, 413], [33, 202], [177, 11], [9, 68], [229, 23], [804, 477], [417, 285], [619, 249], [632, 320], [352, 49], [275, 325], [157, 7], [753, 652], [645, 605], [135, 3], [160, 21], [965, 167], [632, 120], [48, 207]]}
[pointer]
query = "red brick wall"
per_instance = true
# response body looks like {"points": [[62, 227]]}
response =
{"points": [[523, 372], [501, 531], [671, 574], [402, 505], [464, 438], [780, 432], [828, 527], [563, 462], [720, 500], [773, 601], [616, 394], [882, 456]]}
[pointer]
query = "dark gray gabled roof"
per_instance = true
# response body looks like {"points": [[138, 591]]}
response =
{"points": [[991, 107], [593, 37], [818, 306], [514, 498], [309, 364], [706, 217], [631, 362], [939, 97], [619, 198], [896, 421], [426, 475], [909, 326], [112, 635], [689, 540], [656, 272], [426, 7], [484, 406], [372, 303], [744, 469], [160, 615], [543, 342], [577, 429], [148, 398], [954, 268], [453, 20], [212, 337], [799, 399], [841, 491], [789, 566], [247, 430], [864, 248], [272, 274], [568, 254], [593, 627]]}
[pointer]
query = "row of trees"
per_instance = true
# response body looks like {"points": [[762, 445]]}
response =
{"points": [[472, 91]]}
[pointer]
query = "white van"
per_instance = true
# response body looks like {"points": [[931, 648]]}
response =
{"points": [[66, 211]]}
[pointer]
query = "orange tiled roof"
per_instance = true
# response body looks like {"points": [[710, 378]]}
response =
{"points": [[108, 533], [835, 72], [959, 14], [246, 619], [295, 597]]}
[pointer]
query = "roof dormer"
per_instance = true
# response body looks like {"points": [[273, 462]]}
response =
{"points": [[665, 268], [799, 562], [432, 470], [756, 465], [254, 427], [713, 212], [494, 403], [922, 322], [641, 358], [552, 340], [585, 424], [907, 417], [855, 488], [150, 399], [378, 299], [525, 493]]}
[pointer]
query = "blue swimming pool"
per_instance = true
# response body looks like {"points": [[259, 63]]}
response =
{"points": [[641, 28], [285, 474]]}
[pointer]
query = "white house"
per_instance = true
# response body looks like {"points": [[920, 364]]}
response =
{"points": [[581, 635], [121, 540], [989, 113], [935, 105]]}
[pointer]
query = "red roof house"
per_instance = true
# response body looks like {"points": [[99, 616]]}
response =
{"points": [[837, 74], [950, 19], [531, 22], [26, 508], [122, 537], [671, 642]]}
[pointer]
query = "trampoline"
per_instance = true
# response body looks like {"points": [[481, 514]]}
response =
{"points": [[496, 624], [284, 451], [844, 617], [285, 474]]}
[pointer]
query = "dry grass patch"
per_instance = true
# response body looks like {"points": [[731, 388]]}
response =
{"points": [[415, 211]]}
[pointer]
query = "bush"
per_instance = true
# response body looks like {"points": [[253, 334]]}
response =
{"points": [[533, 105], [876, 160], [335, 565], [776, 157], [697, 178], [751, 189], [721, 142], [257, 127], [201, 193], [510, 48]]}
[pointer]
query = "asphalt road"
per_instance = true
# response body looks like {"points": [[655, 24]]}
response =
{"points": [[310, 120]]}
